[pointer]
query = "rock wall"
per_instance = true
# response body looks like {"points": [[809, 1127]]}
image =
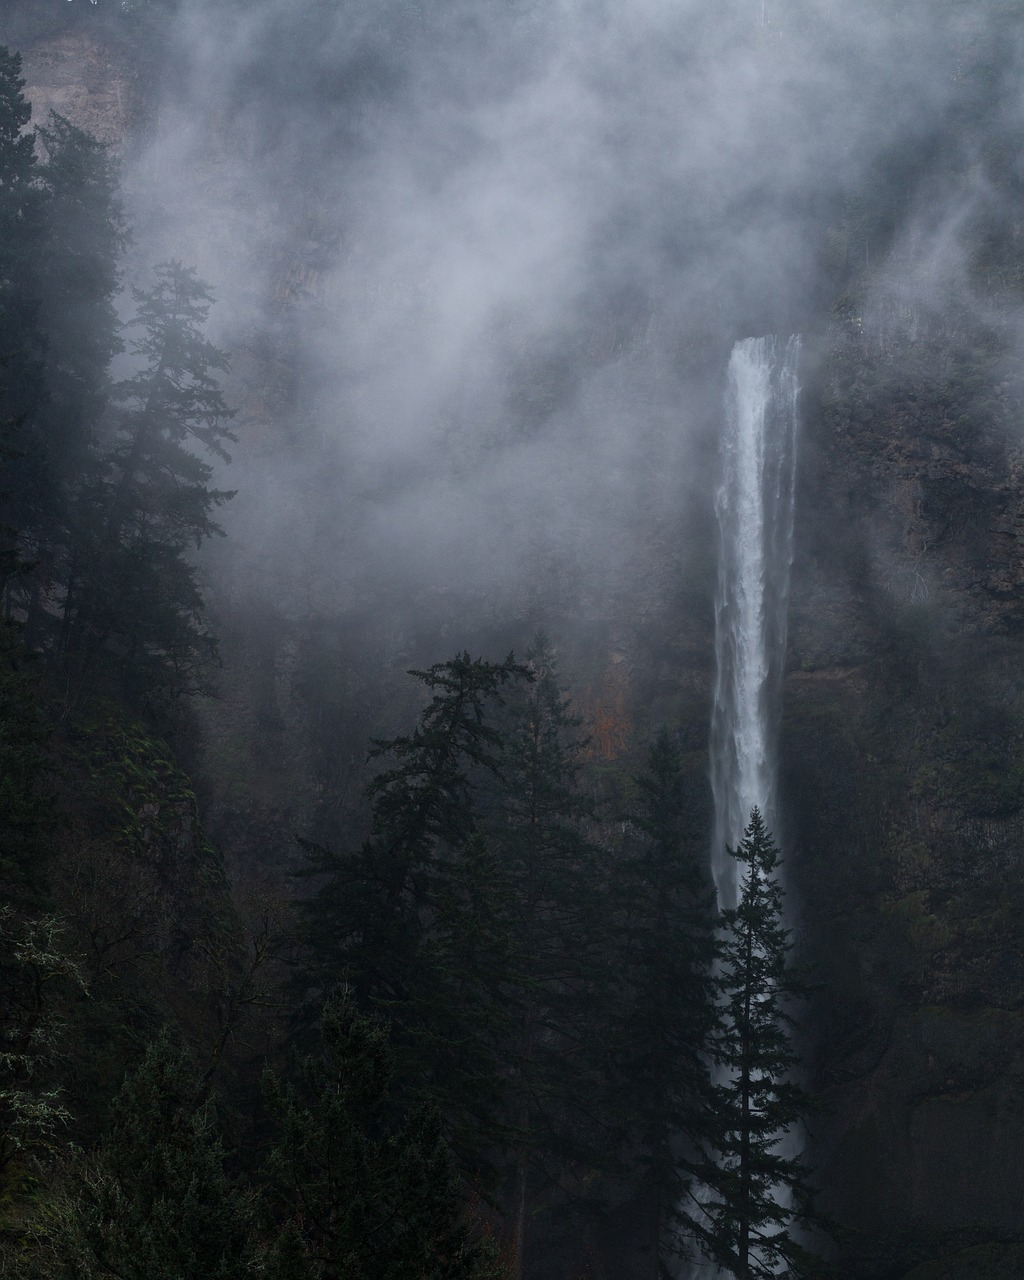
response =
{"points": [[84, 78], [903, 769]]}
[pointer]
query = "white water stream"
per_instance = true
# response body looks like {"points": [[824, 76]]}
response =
{"points": [[755, 521], [754, 505]]}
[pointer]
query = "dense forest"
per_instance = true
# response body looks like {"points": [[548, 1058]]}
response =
{"points": [[483, 1007], [361, 384]]}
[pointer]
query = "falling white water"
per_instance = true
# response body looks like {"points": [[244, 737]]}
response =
{"points": [[754, 505], [755, 521]]}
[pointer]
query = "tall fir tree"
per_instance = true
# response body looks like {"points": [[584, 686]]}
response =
{"points": [[20, 238], [26, 475], [83, 238], [27, 828], [154, 1202], [414, 920], [664, 1011], [136, 607], [557, 877], [353, 1191], [61, 234], [758, 1192], [12, 561], [39, 982]]}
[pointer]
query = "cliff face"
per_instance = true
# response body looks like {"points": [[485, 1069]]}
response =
{"points": [[904, 785], [84, 78]]}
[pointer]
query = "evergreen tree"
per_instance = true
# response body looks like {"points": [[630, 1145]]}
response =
{"points": [[557, 879], [61, 232], [757, 1192], [38, 980], [665, 1011], [10, 558], [83, 238], [84, 235], [20, 238], [413, 920], [25, 473], [136, 603], [26, 817], [154, 1203], [357, 1196]]}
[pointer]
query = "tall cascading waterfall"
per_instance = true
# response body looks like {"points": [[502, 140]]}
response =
{"points": [[755, 520], [754, 505]]}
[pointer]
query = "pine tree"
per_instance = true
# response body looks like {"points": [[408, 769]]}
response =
{"points": [[154, 1203], [25, 471], [12, 563], [61, 233], [27, 827], [20, 234], [136, 604], [82, 239], [39, 979], [413, 920], [557, 879], [355, 1194], [665, 1011], [758, 1193]]}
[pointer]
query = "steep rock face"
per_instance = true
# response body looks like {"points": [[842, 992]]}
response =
{"points": [[904, 782], [83, 78]]}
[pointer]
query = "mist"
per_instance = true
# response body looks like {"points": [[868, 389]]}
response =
{"points": [[481, 264], [674, 347]]}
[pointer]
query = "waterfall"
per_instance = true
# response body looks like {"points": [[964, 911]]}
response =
{"points": [[754, 505]]}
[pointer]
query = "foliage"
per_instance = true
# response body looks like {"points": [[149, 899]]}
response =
{"points": [[412, 919], [26, 826], [557, 986], [665, 1012], [107, 489], [154, 1202], [37, 976], [136, 605], [131, 784], [356, 1195], [25, 475], [756, 1191], [85, 234]]}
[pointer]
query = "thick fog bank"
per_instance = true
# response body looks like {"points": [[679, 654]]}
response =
{"points": [[480, 265]]}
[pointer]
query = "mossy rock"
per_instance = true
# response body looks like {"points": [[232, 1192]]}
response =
{"points": [[983, 1262]]}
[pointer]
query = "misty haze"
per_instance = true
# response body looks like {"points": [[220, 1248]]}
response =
{"points": [[512, 684]]}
